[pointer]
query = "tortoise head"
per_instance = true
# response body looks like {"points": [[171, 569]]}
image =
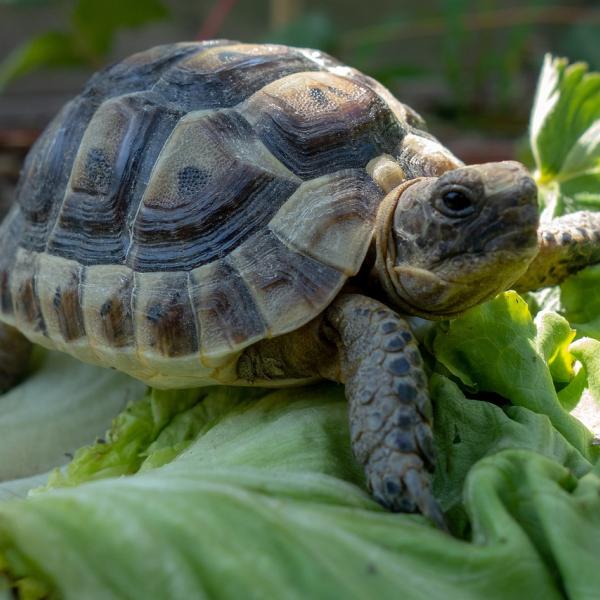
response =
{"points": [[445, 244]]}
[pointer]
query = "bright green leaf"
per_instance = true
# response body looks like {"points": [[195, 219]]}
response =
{"points": [[492, 348], [564, 120], [557, 513], [62, 406], [468, 429], [553, 336], [570, 395], [268, 502], [150, 432], [580, 300], [565, 140], [565, 137], [587, 351]]}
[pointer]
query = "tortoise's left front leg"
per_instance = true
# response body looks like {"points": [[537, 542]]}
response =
{"points": [[370, 349], [390, 409], [566, 245], [15, 352]]}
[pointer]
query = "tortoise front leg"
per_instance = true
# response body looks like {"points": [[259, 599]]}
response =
{"points": [[567, 245], [15, 352], [390, 409]]}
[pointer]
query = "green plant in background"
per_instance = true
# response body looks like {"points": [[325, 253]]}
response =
{"points": [[565, 142], [481, 52], [228, 493], [484, 51], [567, 149], [481, 55], [87, 40]]}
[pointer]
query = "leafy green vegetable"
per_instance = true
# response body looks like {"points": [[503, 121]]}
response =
{"points": [[149, 433], [553, 336], [558, 514], [565, 140], [468, 429], [587, 351], [580, 301], [62, 406], [492, 348], [267, 502]]}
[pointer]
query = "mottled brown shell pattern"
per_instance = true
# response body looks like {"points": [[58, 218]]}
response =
{"points": [[196, 198]]}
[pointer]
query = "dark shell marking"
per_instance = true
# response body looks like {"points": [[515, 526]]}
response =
{"points": [[222, 77], [226, 311], [117, 154], [214, 185], [194, 199], [319, 123], [26, 300], [116, 318], [9, 243], [165, 320], [66, 305]]}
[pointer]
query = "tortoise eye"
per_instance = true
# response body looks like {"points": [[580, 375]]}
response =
{"points": [[456, 203]]}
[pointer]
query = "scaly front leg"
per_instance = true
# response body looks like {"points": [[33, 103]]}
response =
{"points": [[390, 409], [567, 245]]}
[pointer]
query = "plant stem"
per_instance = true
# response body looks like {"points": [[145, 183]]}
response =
{"points": [[215, 19]]}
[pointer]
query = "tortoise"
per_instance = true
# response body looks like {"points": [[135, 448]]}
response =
{"points": [[242, 214]]}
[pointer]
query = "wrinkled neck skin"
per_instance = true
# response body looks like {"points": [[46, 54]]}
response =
{"points": [[385, 247], [438, 270]]}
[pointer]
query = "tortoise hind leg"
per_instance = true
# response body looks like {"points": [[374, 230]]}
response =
{"points": [[566, 245], [390, 409], [15, 353]]}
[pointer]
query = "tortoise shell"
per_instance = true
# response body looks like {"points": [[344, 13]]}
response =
{"points": [[196, 198]]}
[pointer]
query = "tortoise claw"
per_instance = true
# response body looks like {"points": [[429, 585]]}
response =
{"points": [[418, 485], [410, 492]]}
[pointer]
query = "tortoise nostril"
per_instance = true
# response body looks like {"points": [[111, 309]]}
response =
{"points": [[528, 191]]}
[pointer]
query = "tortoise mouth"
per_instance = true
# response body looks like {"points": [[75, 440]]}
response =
{"points": [[515, 229], [461, 282]]}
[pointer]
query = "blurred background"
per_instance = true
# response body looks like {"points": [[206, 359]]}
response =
{"points": [[469, 68]]}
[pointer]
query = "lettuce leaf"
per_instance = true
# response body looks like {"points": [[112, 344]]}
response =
{"points": [[62, 406], [580, 301], [494, 348], [267, 501]]}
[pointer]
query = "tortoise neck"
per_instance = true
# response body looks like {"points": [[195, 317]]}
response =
{"points": [[386, 250]]}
